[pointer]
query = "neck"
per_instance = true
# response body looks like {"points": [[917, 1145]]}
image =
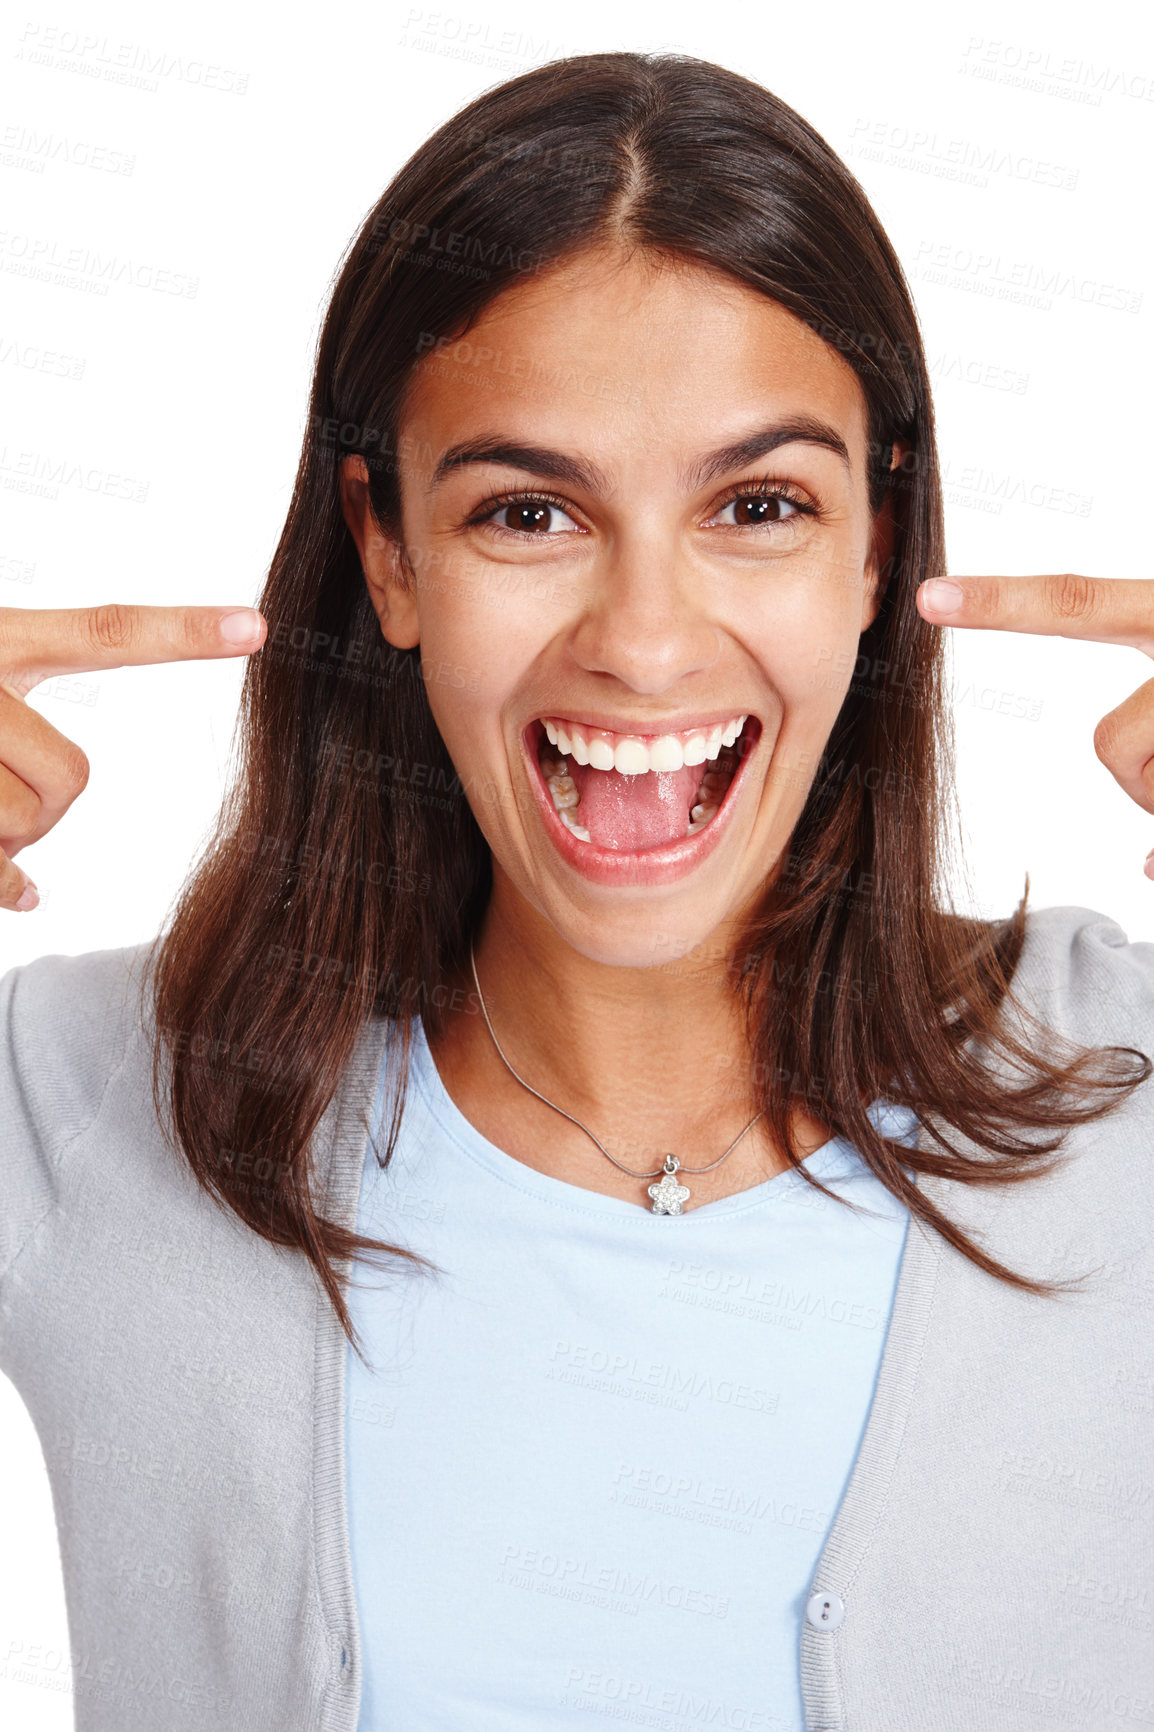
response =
{"points": [[651, 1059]]}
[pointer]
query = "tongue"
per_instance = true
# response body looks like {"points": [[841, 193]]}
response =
{"points": [[634, 812]]}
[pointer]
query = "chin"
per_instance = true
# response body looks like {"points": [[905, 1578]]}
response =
{"points": [[648, 926]]}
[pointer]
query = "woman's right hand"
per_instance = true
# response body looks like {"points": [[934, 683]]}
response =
{"points": [[42, 772]]}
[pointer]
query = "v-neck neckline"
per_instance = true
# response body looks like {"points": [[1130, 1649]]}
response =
{"points": [[831, 1160]]}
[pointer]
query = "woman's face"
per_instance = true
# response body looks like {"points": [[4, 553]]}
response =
{"points": [[634, 504]]}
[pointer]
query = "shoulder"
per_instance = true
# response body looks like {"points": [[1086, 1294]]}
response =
{"points": [[88, 1000], [1082, 974], [66, 1024]]}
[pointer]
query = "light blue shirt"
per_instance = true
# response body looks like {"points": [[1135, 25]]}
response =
{"points": [[596, 1459]]}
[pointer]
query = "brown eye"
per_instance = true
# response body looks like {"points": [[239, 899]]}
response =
{"points": [[530, 517], [752, 509]]}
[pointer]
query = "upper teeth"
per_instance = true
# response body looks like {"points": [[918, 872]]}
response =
{"points": [[633, 755]]}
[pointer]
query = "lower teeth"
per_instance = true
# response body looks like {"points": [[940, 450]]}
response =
{"points": [[566, 799], [571, 823]]}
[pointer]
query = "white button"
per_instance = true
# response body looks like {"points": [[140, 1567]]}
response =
{"points": [[824, 1611]]}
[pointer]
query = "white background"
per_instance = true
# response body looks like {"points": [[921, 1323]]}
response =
{"points": [[1011, 142]]}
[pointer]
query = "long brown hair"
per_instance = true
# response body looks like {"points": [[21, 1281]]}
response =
{"points": [[340, 885]]}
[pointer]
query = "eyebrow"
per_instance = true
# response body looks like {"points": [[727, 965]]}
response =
{"points": [[579, 472]]}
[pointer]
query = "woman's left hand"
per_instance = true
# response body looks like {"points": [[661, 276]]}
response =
{"points": [[1100, 609]]}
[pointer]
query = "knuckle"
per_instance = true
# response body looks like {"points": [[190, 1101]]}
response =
{"points": [[110, 626], [74, 768], [20, 645], [985, 598], [9, 630], [1071, 596], [196, 629], [1108, 739]]}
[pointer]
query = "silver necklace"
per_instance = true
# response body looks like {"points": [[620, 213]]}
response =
{"points": [[668, 1195]]}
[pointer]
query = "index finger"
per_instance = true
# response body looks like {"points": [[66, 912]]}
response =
{"points": [[38, 642], [1060, 604]]}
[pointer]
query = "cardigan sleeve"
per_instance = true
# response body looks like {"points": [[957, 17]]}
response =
{"points": [[65, 1024]]}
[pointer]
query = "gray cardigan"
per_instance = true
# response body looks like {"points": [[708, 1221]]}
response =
{"points": [[990, 1565]]}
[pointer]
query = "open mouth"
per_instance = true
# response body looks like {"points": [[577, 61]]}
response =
{"points": [[632, 793]]}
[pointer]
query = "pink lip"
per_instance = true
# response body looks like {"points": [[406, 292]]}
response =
{"points": [[648, 866]]}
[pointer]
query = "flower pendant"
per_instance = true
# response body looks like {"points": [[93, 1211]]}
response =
{"points": [[667, 1194]]}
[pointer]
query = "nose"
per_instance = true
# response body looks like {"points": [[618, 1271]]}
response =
{"points": [[645, 621]]}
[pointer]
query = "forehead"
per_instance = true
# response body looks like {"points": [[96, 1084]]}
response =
{"points": [[627, 355]]}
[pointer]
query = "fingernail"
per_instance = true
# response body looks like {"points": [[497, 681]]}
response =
{"points": [[29, 896], [1149, 866], [240, 627], [941, 596]]}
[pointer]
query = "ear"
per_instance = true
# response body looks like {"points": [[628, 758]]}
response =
{"points": [[382, 559], [880, 562]]}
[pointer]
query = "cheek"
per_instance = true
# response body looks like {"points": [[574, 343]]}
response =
{"points": [[806, 641], [471, 665], [465, 703], [477, 610], [484, 627]]}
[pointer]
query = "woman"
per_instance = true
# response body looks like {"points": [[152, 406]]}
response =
{"points": [[743, 1331]]}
